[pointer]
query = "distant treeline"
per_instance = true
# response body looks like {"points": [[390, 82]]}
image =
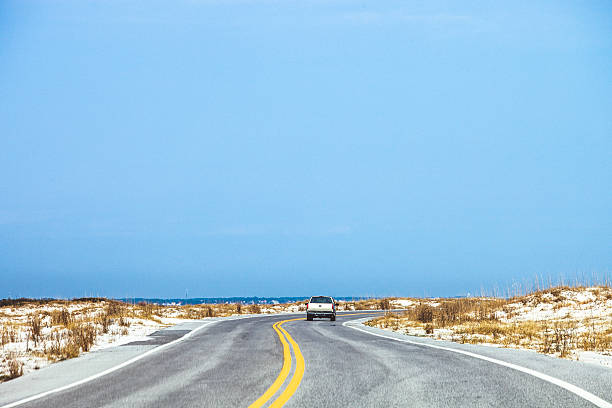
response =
{"points": [[42, 301], [247, 300]]}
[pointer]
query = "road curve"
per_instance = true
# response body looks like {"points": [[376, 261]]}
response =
{"points": [[233, 363]]}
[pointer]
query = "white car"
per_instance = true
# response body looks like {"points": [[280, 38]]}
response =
{"points": [[321, 306]]}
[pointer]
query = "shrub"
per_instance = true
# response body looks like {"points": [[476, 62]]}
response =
{"points": [[9, 335], [105, 321], [147, 309], [117, 309], [83, 336], [123, 322], [15, 368], [424, 313], [57, 350], [70, 350], [384, 304], [35, 328], [61, 317]]}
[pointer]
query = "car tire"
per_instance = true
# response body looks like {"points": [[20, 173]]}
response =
{"points": [[333, 318], [308, 317]]}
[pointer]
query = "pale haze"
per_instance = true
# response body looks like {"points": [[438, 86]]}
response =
{"points": [[288, 148]]}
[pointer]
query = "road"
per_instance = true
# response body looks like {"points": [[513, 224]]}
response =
{"points": [[262, 362]]}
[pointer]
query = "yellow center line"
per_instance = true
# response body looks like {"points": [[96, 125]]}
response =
{"points": [[283, 373], [297, 376], [300, 365]]}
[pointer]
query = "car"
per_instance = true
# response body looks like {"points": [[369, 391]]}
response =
{"points": [[321, 306]]}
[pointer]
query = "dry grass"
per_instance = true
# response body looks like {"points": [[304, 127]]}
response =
{"points": [[35, 328], [38, 332], [8, 335], [255, 309], [60, 317], [367, 304], [560, 320], [15, 368]]}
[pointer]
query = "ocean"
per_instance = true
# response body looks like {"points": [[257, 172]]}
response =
{"points": [[246, 300]]}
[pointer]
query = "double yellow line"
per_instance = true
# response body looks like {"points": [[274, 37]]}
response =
{"points": [[284, 373], [297, 375]]}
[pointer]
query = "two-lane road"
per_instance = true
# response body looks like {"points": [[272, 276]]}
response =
{"points": [[263, 362]]}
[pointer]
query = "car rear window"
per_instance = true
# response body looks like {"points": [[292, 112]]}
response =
{"points": [[320, 299]]}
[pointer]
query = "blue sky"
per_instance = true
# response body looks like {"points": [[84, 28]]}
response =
{"points": [[294, 147]]}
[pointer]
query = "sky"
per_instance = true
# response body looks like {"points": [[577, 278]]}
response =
{"points": [[297, 147]]}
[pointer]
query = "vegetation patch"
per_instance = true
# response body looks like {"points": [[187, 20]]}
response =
{"points": [[563, 321]]}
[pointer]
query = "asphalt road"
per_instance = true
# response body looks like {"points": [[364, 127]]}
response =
{"points": [[232, 363]]}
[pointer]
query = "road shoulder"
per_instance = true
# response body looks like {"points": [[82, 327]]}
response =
{"points": [[91, 365], [593, 378]]}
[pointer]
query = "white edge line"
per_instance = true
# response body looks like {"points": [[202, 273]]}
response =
{"points": [[570, 387], [108, 370]]}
